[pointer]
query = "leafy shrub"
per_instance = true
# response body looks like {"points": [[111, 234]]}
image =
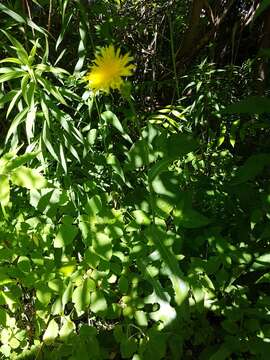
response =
{"points": [[127, 236]]}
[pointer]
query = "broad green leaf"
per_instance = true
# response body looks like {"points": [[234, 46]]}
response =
{"points": [[128, 347], [155, 348], [43, 294], [65, 235], [28, 178], [102, 245], [67, 328], [67, 294], [189, 218], [51, 332], [159, 237], [141, 217], [14, 343], [24, 264], [157, 168], [140, 154], [167, 185], [94, 205], [4, 190], [166, 312], [162, 207], [141, 318], [81, 295], [20, 160], [253, 166], [56, 285], [68, 268], [123, 284], [91, 258], [98, 302]]}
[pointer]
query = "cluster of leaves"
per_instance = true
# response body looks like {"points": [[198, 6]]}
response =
{"points": [[141, 239]]}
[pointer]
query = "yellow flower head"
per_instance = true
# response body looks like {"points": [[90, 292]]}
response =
{"points": [[108, 69]]}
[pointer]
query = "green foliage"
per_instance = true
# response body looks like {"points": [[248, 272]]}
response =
{"points": [[147, 235]]}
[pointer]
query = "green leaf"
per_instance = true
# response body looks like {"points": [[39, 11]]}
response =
{"points": [[66, 234], [67, 294], [141, 217], [16, 122], [140, 154], [12, 74], [157, 168], [110, 118], [158, 237], [156, 345], [91, 258], [189, 218], [162, 207], [24, 264], [14, 343], [20, 160], [5, 350], [13, 102], [51, 332], [115, 164], [263, 6], [253, 166], [67, 328], [29, 123], [102, 245], [4, 190], [43, 294], [81, 295], [141, 318], [98, 303], [28, 178], [128, 347], [21, 52], [3, 317], [123, 284], [94, 205], [17, 17]]}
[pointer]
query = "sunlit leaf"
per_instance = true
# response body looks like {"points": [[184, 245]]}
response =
{"points": [[28, 178], [51, 332], [4, 190]]}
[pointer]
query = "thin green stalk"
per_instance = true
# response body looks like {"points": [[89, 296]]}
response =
{"points": [[102, 124], [136, 121]]}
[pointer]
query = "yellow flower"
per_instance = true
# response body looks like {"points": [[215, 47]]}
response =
{"points": [[108, 69]]}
